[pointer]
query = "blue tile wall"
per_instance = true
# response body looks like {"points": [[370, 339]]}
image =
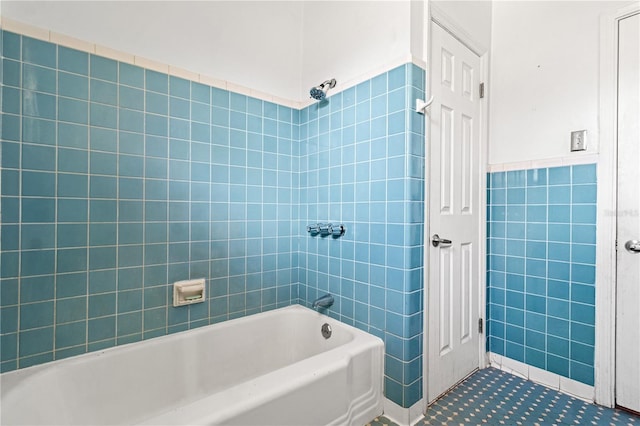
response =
{"points": [[118, 181], [541, 268], [362, 165]]}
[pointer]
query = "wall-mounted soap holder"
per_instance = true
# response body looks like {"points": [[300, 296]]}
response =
{"points": [[188, 292]]}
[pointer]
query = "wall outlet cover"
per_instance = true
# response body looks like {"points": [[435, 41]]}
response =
{"points": [[579, 140]]}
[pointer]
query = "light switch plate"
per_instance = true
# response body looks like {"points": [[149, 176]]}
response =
{"points": [[579, 140]]}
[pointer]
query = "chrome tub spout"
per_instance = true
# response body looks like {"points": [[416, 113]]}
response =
{"points": [[323, 302]]}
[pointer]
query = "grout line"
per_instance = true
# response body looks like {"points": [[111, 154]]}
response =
{"points": [[117, 228], [88, 218], [55, 229], [20, 212]]}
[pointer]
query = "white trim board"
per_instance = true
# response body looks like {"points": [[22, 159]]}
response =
{"points": [[607, 208], [104, 51], [542, 377]]}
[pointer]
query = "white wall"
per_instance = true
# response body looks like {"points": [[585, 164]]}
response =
{"points": [[251, 43], [544, 78], [345, 39], [278, 47], [419, 17]]}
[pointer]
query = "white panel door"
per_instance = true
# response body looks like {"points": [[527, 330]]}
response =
{"points": [[628, 258], [453, 213]]}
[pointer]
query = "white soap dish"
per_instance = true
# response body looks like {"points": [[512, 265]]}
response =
{"points": [[188, 292]]}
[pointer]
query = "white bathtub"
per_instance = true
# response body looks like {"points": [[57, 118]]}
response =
{"points": [[273, 368]]}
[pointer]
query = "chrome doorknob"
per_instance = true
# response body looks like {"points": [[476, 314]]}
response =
{"points": [[436, 241], [632, 246]]}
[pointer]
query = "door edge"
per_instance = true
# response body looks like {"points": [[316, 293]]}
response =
{"points": [[604, 360]]}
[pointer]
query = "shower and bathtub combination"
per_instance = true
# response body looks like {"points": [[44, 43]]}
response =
{"points": [[120, 180]]}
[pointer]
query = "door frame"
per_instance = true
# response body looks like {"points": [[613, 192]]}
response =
{"points": [[605, 356], [435, 14]]}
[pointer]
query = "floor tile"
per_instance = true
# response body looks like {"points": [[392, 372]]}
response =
{"points": [[494, 397]]}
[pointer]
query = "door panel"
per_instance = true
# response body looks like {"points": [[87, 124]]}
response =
{"points": [[447, 161], [446, 284], [466, 169], [628, 262], [454, 190], [466, 293]]}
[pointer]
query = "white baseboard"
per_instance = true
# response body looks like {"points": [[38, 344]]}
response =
{"points": [[543, 377], [403, 416]]}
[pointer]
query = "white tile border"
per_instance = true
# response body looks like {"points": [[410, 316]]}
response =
{"points": [[182, 73], [39, 33], [150, 64], [74, 43], [577, 389], [544, 163], [543, 377], [213, 82], [403, 416], [67, 41], [114, 54]]}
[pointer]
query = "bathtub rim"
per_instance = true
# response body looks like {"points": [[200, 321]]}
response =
{"points": [[192, 332]]}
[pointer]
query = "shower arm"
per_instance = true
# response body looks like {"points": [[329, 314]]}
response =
{"points": [[331, 83]]}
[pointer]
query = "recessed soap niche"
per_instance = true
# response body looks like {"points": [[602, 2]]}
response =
{"points": [[188, 292]]}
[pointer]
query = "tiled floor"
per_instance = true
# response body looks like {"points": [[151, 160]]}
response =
{"points": [[493, 397]]}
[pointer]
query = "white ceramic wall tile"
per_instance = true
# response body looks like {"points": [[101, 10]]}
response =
{"points": [[403, 416], [182, 73], [552, 162], [213, 82], [238, 89], [114, 54], [543, 377], [581, 159], [71, 42], [25, 29], [261, 95], [549, 162], [310, 101], [151, 65], [577, 389], [286, 102], [517, 368], [495, 359]]}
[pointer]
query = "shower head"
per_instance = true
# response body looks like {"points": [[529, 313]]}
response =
{"points": [[319, 93]]}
